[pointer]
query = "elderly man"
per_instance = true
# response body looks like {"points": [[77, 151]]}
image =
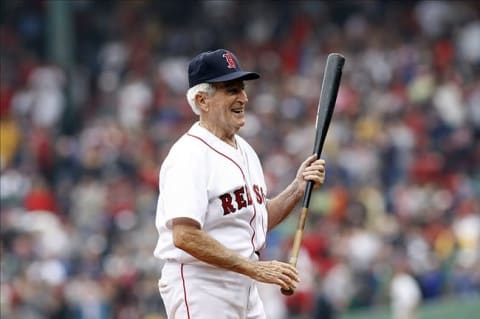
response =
{"points": [[213, 211]]}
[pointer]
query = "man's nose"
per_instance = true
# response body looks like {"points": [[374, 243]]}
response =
{"points": [[243, 96]]}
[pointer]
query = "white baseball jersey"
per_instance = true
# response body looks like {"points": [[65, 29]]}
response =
{"points": [[219, 186]]}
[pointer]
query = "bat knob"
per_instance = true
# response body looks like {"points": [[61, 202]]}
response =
{"points": [[287, 292]]}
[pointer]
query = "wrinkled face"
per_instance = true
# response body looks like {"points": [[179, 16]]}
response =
{"points": [[226, 107]]}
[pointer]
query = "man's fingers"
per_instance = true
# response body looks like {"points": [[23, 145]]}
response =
{"points": [[287, 283], [287, 269], [286, 275], [289, 279], [309, 161], [314, 170], [317, 163], [293, 275]]}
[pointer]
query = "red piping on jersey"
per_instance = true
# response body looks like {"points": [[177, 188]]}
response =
{"points": [[244, 179], [184, 291]]}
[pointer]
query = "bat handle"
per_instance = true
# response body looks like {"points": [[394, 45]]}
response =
{"points": [[308, 192], [293, 262], [296, 246]]}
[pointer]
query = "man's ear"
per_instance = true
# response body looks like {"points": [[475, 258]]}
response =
{"points": [[201, 101]]}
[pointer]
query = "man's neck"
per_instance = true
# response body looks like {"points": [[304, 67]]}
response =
{"points": [[218, 132]]}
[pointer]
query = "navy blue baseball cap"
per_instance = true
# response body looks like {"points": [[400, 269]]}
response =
{"points": [[216, 66]]}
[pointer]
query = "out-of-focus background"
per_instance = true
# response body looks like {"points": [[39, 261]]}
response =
{"points": [[92, 97]]}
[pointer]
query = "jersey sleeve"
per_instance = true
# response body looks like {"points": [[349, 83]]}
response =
{"points": [[183, 185]]}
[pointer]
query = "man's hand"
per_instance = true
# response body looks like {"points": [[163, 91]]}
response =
{"points": [[312, 169], [274, 272]]}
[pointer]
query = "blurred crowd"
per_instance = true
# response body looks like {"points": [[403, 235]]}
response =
{"points": [[396, 223]]}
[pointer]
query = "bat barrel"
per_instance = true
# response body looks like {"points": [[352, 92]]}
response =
{"points": [[328, 96], [331, 82]]}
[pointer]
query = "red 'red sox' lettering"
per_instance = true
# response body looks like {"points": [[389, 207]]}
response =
{"points": [[227, 204], [259, 194], [241, 203], [242, 198]]}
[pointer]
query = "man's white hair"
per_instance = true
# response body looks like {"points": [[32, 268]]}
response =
{"points": [[193, 91]]}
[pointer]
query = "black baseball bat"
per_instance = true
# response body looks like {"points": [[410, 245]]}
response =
{"points": [[326, 104]]}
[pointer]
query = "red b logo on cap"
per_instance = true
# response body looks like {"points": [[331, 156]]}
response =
{"points": [[230, 61]]}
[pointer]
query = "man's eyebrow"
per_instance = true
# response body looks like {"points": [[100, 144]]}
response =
{"points": [[234, 84]]}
